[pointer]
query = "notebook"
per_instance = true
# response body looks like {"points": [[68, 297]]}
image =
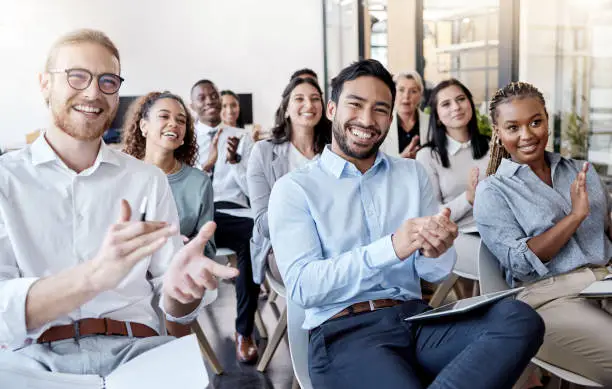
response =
{"points": [[465, 305], [599, 289], [176, 364]]}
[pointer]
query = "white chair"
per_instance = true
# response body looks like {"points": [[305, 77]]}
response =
{"points": [[492, 280], [281, 327], [469, 248], [298, 344]]}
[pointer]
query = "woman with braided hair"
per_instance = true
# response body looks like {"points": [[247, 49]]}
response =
{"points": [[547, 220], [159, 130]]}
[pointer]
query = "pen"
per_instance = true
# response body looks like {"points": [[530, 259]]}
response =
{"points": [[143, 209]]}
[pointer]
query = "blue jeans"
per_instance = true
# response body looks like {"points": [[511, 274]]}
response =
{"points": [[486, 348]]}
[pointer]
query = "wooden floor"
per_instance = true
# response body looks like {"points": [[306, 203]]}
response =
{"points": [[217, 322]]}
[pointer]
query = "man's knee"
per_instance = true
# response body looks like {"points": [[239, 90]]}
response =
{"points": [[518, 318]]}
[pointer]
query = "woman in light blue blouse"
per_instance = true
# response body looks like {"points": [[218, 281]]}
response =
{"points": [[300, 133], [547, 220]]}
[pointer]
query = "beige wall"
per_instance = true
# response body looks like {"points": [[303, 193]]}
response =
{"points": [[401, 35]]}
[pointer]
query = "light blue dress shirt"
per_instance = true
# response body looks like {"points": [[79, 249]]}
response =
{"points": [[331, 229]]}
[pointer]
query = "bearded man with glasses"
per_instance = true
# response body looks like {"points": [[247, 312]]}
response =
{"points": [[79, 270]]}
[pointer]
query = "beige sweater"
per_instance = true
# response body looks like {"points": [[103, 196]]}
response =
{"points": [[449, 184]]}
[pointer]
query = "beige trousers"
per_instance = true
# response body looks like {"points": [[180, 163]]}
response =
{"points": [[578, 331]]}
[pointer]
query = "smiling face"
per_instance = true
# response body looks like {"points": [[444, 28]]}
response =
{"points": [[165, 125], [522, 126], [361, 118], [408, 96], [305, 106], [230, 110], [453, 107], [206, 103], [82, 114]]}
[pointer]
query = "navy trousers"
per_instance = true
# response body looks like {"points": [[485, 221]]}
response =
{"points": [[486, 348]]}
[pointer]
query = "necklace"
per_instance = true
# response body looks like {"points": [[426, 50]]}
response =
{"points": [[175, 168]]}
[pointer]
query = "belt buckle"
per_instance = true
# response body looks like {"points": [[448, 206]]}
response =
{"points": [[372, 306]]}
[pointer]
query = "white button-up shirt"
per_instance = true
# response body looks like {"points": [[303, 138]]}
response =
{"points": [[229, 180], [52, 219]]}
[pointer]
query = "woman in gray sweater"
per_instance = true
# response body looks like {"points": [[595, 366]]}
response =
{"points": [[159, 130]]}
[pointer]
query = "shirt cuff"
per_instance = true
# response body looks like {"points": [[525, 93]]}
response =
{"points": [[209, 297], [381, 253], [13, 329], [531, 259]]}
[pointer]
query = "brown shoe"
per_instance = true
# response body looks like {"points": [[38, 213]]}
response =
{"points": [[246, 349]]}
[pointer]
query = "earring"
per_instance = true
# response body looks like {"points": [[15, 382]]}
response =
{"points": [[498, 141], [144, 134], [286, 115], [182, 142]]}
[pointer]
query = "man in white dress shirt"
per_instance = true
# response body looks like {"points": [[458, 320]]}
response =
{"points": [[78, 267], [224, 152]]}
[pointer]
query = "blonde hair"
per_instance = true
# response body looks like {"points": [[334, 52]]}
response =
{"points": [[512, 91], [411, 75], [81, 36]]}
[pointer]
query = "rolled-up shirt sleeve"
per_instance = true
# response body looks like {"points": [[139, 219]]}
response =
{"points": [[13, 291], [503, 235]]}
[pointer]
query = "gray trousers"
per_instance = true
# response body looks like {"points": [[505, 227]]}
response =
{"points": [[96, 354]]}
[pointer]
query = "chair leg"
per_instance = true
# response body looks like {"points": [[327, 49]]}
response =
{"points": [[476, 289], [525, 377], [261, 328], [442, 290], [272, 296], [277, 336], [206, 349], [295, 384]]}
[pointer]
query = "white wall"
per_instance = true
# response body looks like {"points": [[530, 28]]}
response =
{"points": [[245, 45]]}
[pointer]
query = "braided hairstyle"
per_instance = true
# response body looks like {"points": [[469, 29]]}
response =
{"points": [[512, 91], [134, 143]]}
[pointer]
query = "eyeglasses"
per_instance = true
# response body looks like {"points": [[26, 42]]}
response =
{"points": [[80, 79]]}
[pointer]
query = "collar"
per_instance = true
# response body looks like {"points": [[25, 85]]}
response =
{"points": [[336, 165], [280, 150], [205, 128], [508, 167], [43, 153], [453, 146]]}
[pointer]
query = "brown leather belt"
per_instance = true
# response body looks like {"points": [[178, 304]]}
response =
{"points": [[367, 306], [86, 327]]}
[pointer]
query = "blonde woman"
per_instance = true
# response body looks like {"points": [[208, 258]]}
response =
{"points": [[409, 127]]}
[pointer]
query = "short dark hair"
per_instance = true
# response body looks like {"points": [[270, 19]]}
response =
{"points": [[364, 67], [303, 72], [202, 82]]}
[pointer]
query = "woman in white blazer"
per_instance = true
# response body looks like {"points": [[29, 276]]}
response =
{"points": [[300, 133], [409, 122]]}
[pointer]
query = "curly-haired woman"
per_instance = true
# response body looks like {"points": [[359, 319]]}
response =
{"points": [[159, 130]]}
